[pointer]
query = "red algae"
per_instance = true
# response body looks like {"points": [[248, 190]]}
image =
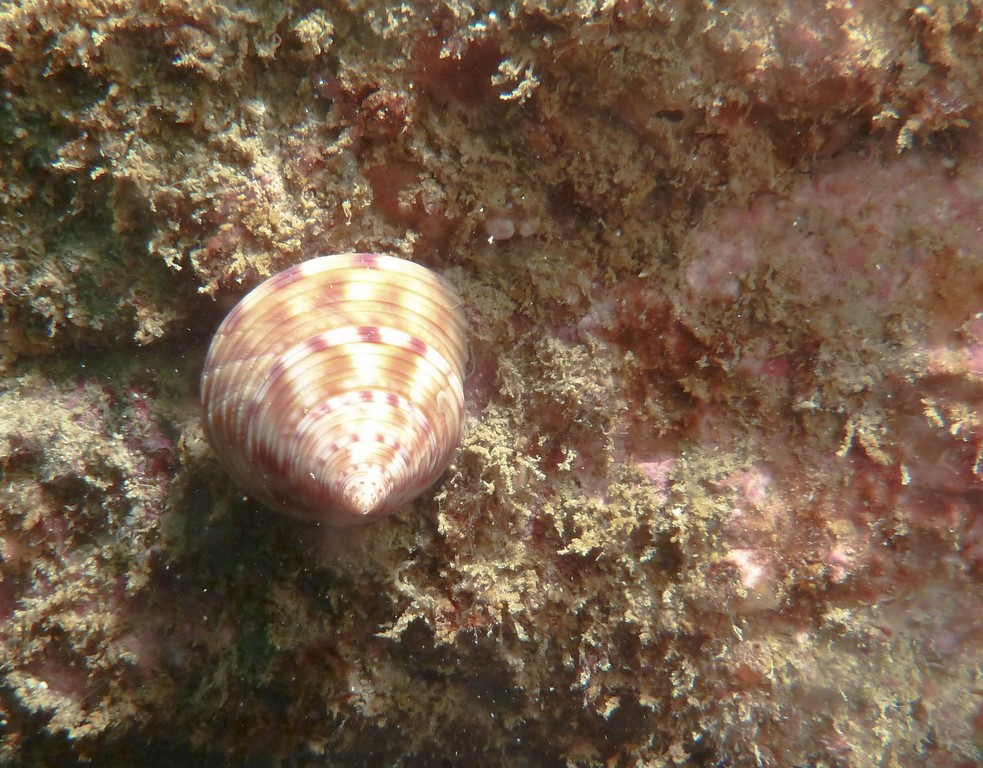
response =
{"points": [[718, 499]]}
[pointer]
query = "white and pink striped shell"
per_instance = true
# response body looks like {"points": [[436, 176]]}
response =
{"points": [[334, 390]]}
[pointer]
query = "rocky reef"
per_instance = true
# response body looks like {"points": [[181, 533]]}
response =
{"points": [[720, 497]]}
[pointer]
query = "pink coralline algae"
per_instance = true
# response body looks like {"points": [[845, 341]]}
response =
{"points": [[86, 476], [838, 328]]}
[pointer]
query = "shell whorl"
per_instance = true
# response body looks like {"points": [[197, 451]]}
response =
{"points": [[334, 390]]}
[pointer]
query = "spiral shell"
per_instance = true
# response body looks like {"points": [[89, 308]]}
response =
{"points": [[334, 390]]}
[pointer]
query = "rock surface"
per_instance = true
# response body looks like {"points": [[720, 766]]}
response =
{"points": [[720, 498]]}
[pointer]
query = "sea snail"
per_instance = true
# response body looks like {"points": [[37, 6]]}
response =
{"points": [[334, 390]]}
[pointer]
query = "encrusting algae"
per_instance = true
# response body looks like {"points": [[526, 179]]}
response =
{"points": [[718, 497]]}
